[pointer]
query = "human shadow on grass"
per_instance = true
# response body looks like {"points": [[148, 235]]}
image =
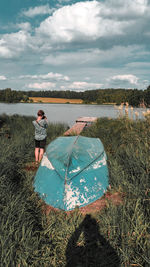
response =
{"points": [[94, 251]]}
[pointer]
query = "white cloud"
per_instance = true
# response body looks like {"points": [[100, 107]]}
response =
{"points": [[114, 22], [26, 26], [77, 57], [124, 9], [80, 21], [5, 52], [93, 39], [44, 85], [19, 38], [84, 86], [50, 75], [87, 56], [38, 10], [126, 77], [138, 65], [14, 43], [2, 78], [63, 1], [93, 57]]}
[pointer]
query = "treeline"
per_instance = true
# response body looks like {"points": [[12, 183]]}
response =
{"points": [[134, 97], [56, 94], [13, 96]]}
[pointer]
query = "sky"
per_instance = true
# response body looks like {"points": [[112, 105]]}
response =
{"points": [[74, 45]]}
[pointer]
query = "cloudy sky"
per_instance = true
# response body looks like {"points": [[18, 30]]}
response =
{"points": [[74, 45]]}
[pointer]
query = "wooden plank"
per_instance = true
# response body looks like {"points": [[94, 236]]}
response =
{"points": [[76, 129], [87, 119]]}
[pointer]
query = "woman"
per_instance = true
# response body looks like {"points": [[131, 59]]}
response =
{"points": [[40, 125]]}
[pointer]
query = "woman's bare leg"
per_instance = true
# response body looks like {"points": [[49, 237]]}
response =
{"points": [[41, 154], [36, 154]]}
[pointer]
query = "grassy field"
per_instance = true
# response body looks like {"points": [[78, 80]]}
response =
{"points": [[115, 236], [55, 100]]}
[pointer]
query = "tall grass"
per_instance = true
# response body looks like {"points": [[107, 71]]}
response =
{"points": [[116, 236], [127, 144]]}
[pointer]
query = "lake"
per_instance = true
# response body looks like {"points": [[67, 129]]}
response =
{"points": [[64, 113]]}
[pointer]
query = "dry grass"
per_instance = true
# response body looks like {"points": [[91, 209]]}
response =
{"points": [[56, 100]]}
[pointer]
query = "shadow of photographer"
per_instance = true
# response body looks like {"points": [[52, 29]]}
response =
{"points": [[96, 250]]}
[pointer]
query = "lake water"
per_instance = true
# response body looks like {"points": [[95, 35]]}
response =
{"points": [[64, 113]]}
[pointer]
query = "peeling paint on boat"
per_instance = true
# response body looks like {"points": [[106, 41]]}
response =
{"points": [[100, 163], [46, 163], [82, 180], [74, 171], [84, 199], [99, 185], [71, 198], [86, 189]]}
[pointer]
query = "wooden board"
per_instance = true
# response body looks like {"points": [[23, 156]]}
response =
{"points": [[76, 129], [87, 119]]}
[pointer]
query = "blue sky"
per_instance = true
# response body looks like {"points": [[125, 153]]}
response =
{"points": [[74, 45]]}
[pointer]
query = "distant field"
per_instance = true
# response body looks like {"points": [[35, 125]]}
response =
{"points": [[55, 100]]}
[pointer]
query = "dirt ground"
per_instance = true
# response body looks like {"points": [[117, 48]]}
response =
{"points": [[115, 198]]}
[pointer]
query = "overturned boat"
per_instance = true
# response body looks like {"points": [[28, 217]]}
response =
{"points": [[73, 172]]}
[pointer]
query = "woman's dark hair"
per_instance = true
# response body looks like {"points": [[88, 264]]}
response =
{"points": [[40, 113]]}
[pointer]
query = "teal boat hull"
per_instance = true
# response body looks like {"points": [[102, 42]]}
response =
{"points": [[73, 172]]}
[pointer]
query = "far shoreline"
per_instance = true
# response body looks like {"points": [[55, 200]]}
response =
{"points": [[50, 100]]}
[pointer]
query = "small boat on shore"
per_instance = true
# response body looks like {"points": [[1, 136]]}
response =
{"points": [[73, 172]]}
